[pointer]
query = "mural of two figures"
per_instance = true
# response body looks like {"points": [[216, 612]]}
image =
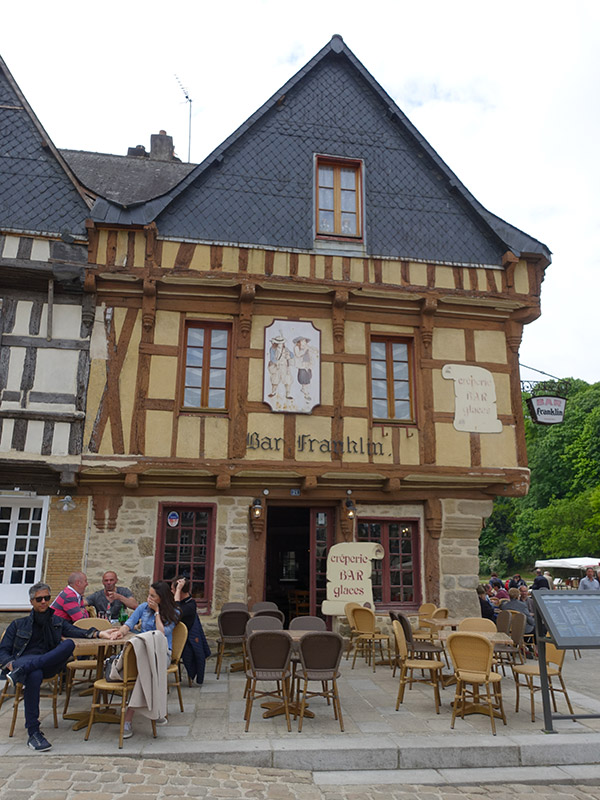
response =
{"points": [[292, 374]]}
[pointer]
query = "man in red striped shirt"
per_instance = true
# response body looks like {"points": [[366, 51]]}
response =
{"points": [[69, 604]]}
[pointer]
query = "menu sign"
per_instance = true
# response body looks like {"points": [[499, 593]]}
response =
{"points": [[572, 618], [349, 575]]}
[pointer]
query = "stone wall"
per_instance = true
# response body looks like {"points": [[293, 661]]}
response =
{"points": [[462, 521]]}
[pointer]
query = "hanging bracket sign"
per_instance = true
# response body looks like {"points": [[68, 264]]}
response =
{"points": [[547, 409], [349, 567]]}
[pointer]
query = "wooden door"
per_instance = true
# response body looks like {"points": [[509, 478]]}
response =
{"points": [[321, 539]]}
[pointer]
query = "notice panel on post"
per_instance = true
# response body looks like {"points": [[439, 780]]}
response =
{"points": [[572, 618]]}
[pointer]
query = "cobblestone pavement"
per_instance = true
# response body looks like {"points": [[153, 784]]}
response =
{"points": [[44, 777]]}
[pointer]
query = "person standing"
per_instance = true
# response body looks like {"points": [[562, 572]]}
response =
{"points": [[539, 582], [69, 604], [110, 600], [590, 583], [32, 650]]}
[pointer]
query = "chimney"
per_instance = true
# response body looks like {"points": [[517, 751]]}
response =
{"points": [[161, 146], [139, 151]]}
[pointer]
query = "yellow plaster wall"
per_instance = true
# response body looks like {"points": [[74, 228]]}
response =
{"points": [[270, 425], [169, 253], [354, 338], [499, 449], [102, 242], [443, 392], [105, 447], [409, 446], [257, 335], [127, 380], [166, 328], [255, 380], [498, 278], [490, 346], [449, 344], [397, 329], [337, 269], [383, 436], [326, 383], [502, 384], [444, 277], [355, 428], [325, 326], [313, 428], [121, 251], [216, 437], [391, 272], [96, 384], [357, 270], [159, 426], [453, 448], [201, 258], [417, 273], [256, 262], [521, 278], [162, 384], [482, 283], [303, 265], [139, 249], [230, 259], [188, 436], [355, 382], [280, 263]]}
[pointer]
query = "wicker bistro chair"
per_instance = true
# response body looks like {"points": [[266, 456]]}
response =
{"points": [[269, 661], [425, 630], [408, 665], [234, 606], [270, 612], [503, 621], [511, 653], [420, 647], [180, 635], [475, 624], [260, 606], [472, 656], [232, 630], [320, 655], [105, 690], [83, 664], [349, 612], [368, 637], [531, 670], [440, 613], [254, 624], [308, 624]]}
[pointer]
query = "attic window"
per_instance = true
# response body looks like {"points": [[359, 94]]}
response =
{"points": [[338, 198]]}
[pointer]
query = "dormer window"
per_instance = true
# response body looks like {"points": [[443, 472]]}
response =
{"points": [[338, 198]]}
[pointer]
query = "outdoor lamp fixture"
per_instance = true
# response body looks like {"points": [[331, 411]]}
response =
{"points": [[350, 509], [256, 509], [66, 503]]}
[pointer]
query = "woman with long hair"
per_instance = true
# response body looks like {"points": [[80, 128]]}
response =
{"points": [[184, 601]]}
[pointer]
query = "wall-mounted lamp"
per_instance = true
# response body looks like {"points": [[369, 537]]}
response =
{"points": [[256, 509], [66, 503], [350, 509]]}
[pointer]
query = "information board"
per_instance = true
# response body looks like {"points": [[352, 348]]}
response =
{"points": [[572, 618]]}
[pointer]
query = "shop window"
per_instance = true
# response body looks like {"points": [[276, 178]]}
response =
{"points": [[391, 379], [338, 198], [206, 369], [395, 578], [22, 533], [185, 548]]}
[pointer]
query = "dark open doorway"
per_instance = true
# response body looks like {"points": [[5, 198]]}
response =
{"points": [[287, 573]]}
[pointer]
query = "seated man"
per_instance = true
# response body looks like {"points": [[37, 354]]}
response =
{"points": [[69, 603], [109, 601], [487, 609], [514, 604], [32, 650]]}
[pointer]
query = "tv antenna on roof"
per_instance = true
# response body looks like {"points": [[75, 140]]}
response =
{"points": [[189, 100]]}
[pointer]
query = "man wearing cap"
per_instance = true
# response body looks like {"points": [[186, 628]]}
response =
{"points": [[279, 366]]}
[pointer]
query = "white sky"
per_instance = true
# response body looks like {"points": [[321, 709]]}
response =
{"points": [[506, 92]]}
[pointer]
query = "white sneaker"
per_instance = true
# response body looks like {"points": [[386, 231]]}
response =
{"points": [[127, 731], [162, 721]]}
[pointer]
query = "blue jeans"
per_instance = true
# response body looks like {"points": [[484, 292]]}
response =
{"points": [[37, 668]]}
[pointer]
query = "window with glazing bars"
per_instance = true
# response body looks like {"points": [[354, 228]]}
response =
{"points": [[391, 371], [186, 548], [395, 578], [205, 378], [338, 198]]}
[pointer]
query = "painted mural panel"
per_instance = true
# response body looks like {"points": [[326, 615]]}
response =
{"points": [[292, 366]]}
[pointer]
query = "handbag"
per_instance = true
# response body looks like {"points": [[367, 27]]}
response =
{"points": [[113, 668]]}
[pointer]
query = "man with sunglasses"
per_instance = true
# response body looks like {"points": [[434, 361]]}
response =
{"points": [[33, 649]]}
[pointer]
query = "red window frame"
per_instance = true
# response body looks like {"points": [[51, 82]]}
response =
{"points": [[391, 380], [335, 198], [188, 363], [168, 569], [391, 588]]}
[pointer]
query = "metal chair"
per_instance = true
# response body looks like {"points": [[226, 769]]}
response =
{"points": [[472, 655], [320, 655], [269, 660], [531, 670], [180, 635], [232, 631], [408, 665]]}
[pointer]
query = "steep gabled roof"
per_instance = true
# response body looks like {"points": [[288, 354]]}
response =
{"points": [[38, 190], [424, 211]]}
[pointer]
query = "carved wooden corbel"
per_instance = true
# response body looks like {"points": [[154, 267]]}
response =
{"points": [[257, 526], [247, 295], [514, 333], [106, 510], [340, 301], [391, 485], [433, 518], [429, 306], [132, 480], [310, 482], [150, 254], [149, 304], [223, 482]]}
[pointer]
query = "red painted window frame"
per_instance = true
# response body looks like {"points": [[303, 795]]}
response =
{"points": [[387, 604], [205, 605]]}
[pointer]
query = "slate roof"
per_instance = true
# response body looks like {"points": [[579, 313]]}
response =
{"points": [[38, 191], [124, 179], [257, 187]]}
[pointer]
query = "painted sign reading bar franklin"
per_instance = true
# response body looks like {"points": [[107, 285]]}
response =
{"points": [[292, 373], [349, 567], [474, 398]]}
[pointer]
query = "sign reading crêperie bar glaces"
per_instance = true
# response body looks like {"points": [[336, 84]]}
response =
{"points": [[349, 567], [573, 618]]}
